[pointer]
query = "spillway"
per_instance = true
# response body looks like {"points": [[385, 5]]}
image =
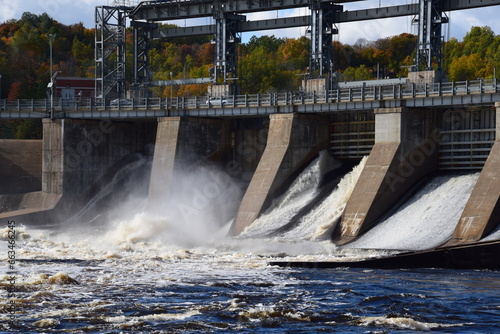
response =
{"points": [[427, 220], [316, 224]]}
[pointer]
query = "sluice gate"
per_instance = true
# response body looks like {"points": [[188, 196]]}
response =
{"points": [[352, 134], [467, 137]]}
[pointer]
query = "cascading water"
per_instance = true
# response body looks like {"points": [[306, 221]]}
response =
{"points": [[319, 222], [427, 220], [302, 191]]}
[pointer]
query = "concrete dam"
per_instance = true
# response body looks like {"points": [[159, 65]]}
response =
{"points": [[350, 170]]}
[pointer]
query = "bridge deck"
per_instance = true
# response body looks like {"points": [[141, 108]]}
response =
{"points": [[345, 99]]}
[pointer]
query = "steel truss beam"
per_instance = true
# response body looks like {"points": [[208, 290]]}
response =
{"points": [[182, 9], [110, 52], [343, 17]]}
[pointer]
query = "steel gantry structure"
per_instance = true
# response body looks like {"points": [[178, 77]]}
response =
{"points": [[230, 21], [110, 51]]}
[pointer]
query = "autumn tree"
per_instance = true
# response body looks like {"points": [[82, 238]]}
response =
{"points": [[475, 57]]}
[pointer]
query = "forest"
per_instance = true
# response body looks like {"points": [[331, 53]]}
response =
{"points": [[265, 63]]}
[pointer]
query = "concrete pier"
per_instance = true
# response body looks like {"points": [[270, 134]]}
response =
{"points": [[293, 140], [182, 143], [482, 211], [405, 150]]}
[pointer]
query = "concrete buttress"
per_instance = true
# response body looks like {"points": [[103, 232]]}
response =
{"points": [[406, 149], [293, 140], [183, 143], [482, 211]]}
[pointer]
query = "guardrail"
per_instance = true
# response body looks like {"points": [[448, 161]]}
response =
{"points": [[42, 107]]}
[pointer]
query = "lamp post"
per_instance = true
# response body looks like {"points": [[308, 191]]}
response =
{"points": [[51, 38], [52, 88], [0, 86], [171, 86]]}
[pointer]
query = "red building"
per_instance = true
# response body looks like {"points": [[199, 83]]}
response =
{"points": [[71, 88]]}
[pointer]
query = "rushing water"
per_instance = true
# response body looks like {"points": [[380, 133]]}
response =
{"points": [[427, 220], [144, 272]]}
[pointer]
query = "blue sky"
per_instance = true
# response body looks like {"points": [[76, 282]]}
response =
{"points": [[74, 11]]}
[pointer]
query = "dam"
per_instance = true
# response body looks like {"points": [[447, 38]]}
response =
{"points": [[243, 158]]}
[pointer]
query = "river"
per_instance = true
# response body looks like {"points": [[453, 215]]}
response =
{"points": [[144, 272]]}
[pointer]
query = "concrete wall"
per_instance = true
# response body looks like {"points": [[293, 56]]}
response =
{"points": [[314, 85], [482, 211], [220, 90], [77, 153], [20, 166], [292, 142], [423, 77], [248, 141], [77, 158], [405, 150]]}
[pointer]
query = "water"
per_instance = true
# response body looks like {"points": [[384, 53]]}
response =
{"points": [[151, 286], [427, 220], [144, 272]]}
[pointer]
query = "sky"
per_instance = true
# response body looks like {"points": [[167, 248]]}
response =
{"points": [[75, 11]]}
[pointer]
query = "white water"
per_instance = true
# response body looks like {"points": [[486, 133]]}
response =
{"points": [[157, 267], [302, 191], [427, 220], [319, 223], [316, 225]]}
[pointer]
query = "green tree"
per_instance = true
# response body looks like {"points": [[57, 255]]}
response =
{"points": [[478, 40], [83, 55], [468, 67]]}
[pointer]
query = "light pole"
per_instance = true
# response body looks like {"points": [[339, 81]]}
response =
{"points": [[0, 86], [51, 38], [171, 86], [52, 89]]}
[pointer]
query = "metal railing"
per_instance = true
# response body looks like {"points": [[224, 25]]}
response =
{"points": [[364, 93]]}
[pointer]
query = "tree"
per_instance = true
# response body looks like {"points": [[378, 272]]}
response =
{"points": [[269, 43], [83, 55], [468, 68], [356, 74], [261, 72], [294, 54], [478, 40]]}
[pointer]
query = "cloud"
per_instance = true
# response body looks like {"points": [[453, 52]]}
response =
{"points": [[463, 21], [349, 33], [9, 9]]}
